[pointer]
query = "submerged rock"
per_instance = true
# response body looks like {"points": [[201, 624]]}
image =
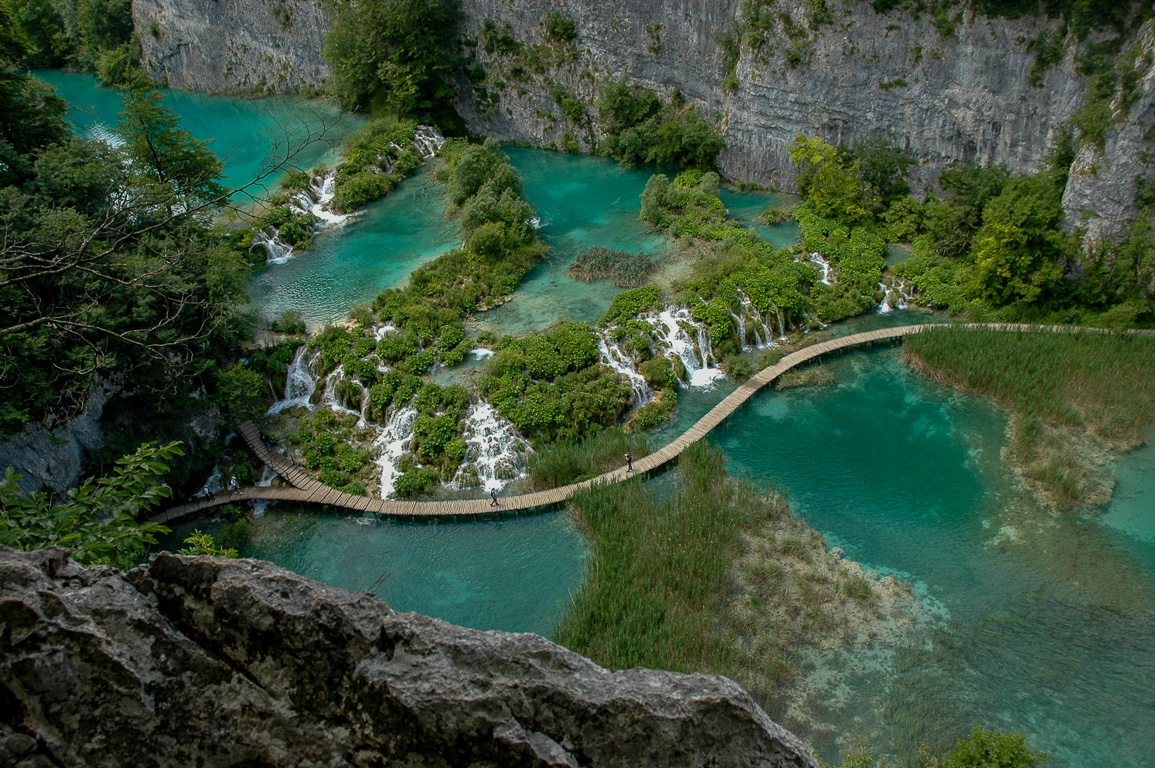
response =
{"points": [[203, 661]]}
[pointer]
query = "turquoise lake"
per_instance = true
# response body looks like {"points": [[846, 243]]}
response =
{"points": [[1039, 623]]}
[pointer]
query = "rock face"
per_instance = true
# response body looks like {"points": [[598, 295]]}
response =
{"points": [[234, 46], [966, 96], [201, 661]]}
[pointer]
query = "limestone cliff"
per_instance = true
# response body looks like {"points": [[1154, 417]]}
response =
{"points": [[209, 662], [960, 92]]}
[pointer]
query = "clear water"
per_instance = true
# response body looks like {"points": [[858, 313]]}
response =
{"points": [[348, 265], [242, 131], [1049, 623], [515, 575], [747, 207]]}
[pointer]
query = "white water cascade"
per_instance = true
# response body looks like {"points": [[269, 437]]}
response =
{"points": [[496, 452], [391, 445], [899, 292], [300, 384], [276, 251], [613, 356], [428, 141], [670, 327], [759, 326], [823, 265], [332, 399], [316, 197]]}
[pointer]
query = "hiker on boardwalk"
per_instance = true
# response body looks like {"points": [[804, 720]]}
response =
{"points": [[234, 484], [493, 499], [629, 462]]}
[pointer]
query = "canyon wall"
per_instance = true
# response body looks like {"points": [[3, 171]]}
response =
{"points": [[947, 93], [214, 662]]}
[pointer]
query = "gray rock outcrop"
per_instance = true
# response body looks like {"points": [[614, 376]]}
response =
{"points": [[963, 96], [210, 662]]}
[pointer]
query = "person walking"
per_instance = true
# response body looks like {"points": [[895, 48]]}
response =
{"points": [[493, 499], [629, 462]]}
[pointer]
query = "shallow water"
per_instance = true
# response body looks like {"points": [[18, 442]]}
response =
{"points": [[243, 131], [1051, 621], [515, 575], [348, 265]]}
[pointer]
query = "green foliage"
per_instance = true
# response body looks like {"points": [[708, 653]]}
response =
{"points": [[653, 413], [641, 129], [114, 267], [97, 520], [828, 180], [629, 304], [90, 35], [624, 269], [393, 55], [882, 170], [199, 543], [994, 749], [659, 569], [240, 394], [565, 463], [551, 386], [369, 153], [560, 28], [415, 482]]}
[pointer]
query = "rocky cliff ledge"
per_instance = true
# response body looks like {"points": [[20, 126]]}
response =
{"points": [[211, 662]]}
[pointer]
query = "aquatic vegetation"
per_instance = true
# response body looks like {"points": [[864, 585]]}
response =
{"points": [[718, 577], [625, 269], [565, 463], [813, 376], [1096, 387]]}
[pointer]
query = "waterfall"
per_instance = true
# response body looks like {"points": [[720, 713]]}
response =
{"points": [[299, 383], [333, 400], [884, 307], [428, 141], [276, 252], [668, 325], [763, 336], [480, 353], [315, 199], [391, 444], [615, 358], [781, 324], [496, 452], [824, 265]]}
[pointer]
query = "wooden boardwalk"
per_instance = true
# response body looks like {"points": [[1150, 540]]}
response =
{"points": [[306, 488]]}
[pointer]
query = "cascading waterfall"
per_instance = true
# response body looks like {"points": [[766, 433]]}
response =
{"points": [[428, 141], [668, 325], [316, 197], [391, 444], [332, 399], [899, 291], [763, 336], [884, 307], [496, 453], [300, 384], [276, 251], [823, 265], [615, 358]]}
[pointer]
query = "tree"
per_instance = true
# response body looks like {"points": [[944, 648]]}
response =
{"points": [[98, 519], [183, 170], [240, 394], [829, 185], [1016, 253], [395, 55], [882, 170]]}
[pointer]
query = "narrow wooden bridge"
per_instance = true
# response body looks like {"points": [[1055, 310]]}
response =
{"points": [[306, 488]]}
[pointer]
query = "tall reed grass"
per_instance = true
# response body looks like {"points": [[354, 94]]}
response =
{"points": [[1104, 382], [564, 463], [1072, 395]]}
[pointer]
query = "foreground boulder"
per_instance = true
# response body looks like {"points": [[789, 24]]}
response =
{"points": [[213, 662]]}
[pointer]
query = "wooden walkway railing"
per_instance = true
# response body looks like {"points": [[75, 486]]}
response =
{"points": [[306, 488]]}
